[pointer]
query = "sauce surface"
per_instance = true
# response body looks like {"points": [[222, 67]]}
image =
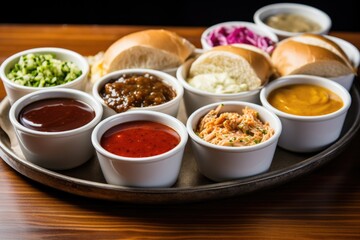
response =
{"points": [[139, 139], [56, 115], [292, 23], [305, 100], [136, 91]]}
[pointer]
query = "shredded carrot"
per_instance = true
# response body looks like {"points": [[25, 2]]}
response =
{"points": [[233, 129]]}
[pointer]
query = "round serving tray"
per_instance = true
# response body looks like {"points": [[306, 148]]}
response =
{"points": [[87, 180]]}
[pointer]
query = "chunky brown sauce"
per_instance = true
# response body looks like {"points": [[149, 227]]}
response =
{"points": [[56, 115], [136, 90]]}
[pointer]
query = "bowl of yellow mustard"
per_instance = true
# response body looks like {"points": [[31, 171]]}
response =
{"points": [[290, 19], [312, 110]]}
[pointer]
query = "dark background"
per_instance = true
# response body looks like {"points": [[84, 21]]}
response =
{"points": [[345, 16]]}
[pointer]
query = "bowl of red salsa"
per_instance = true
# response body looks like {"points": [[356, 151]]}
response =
{"points": [[140, 148], [54, 127]]}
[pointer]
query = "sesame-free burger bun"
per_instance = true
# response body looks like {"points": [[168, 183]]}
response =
{"points": [[154, 49], [247, 64], [311, 54]]}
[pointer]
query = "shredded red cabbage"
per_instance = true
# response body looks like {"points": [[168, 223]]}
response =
{"points": [[230, 35]]}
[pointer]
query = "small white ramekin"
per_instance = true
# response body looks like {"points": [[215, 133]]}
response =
{"points": [[308, 133], [312, 13], [221, 163], [56, 150], [15, 91], [171, 107], [195, 98], [156, 171]]}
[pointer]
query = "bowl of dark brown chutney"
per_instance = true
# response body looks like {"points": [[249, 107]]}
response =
{"points": [[134, 89]]}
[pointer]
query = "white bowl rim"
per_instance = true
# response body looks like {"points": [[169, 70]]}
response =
{"points": [[268, 34], [343, 44], [72, 94], [299, 6], [160, 157], [162, 75], [229, 148], [197, 91], [55, 50], [315, 80]]}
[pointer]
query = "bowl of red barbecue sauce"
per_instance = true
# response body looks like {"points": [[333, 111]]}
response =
{"points": [[140, 148], [54, 127], [56, 114]]}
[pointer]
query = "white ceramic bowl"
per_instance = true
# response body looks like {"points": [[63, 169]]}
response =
{"points": [[56, 150], [309, 12], [14, 91], [171, 107], [171, 71], [156, 171], [221, 163], [195, 98], [353, 54], [252, 26], [308, 133]]}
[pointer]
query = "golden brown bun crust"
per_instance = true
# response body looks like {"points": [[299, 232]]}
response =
{"points": [[292, 57], [258, 61], [328, 41], [164, 40]]}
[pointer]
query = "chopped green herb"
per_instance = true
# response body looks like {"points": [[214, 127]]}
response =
{"points": [[232, 139]]}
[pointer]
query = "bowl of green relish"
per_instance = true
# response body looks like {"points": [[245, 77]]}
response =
{"points": [[40, 68]]}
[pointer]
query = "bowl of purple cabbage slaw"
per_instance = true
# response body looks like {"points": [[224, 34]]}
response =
{"points": [[228, 33]]}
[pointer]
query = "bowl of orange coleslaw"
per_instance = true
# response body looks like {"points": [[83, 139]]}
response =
{"points": [[233, 139]]}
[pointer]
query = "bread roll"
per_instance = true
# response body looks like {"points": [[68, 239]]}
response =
{"points": [[240, 65], [154, 49], [311, 54]]}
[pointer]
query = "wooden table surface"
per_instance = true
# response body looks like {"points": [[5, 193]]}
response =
{"points": [[324, 204]]}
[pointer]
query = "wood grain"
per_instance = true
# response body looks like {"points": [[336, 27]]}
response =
{"points": [[324, 204]]}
